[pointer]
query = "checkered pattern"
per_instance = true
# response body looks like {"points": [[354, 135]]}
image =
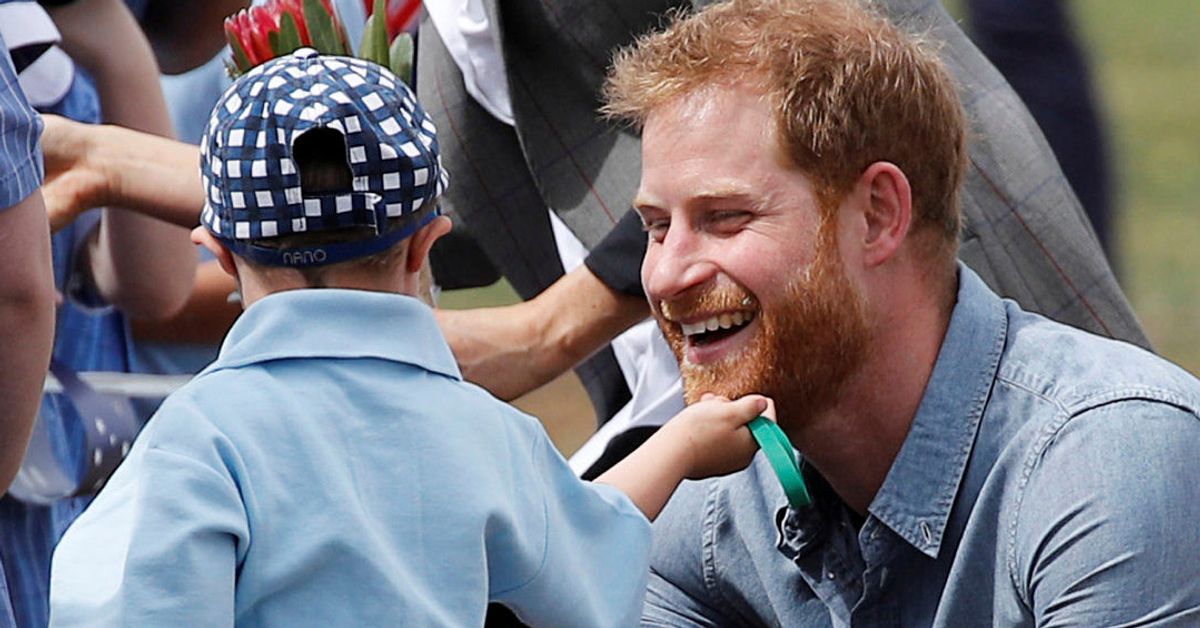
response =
{"points": [[253, 186]]}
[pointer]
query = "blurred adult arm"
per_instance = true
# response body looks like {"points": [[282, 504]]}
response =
{"points": [[26, 325], [91, 165], [514, 349], [27, 282], [204, 319], [139, 264]]}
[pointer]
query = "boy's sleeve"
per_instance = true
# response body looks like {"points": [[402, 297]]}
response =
{"points": [[159, 546], [596, 552], [20, 131]]}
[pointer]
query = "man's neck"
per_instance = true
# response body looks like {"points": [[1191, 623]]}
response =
{"points": [[854, 443]]}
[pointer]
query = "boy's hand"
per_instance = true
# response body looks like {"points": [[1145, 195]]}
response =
{"points": [[708, 438], [714, 434]]}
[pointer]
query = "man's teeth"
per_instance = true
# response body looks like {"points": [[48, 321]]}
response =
{"points": [[722, 321]]}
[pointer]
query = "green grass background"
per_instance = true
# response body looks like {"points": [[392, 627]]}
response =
{"points": [[1146, 62]]}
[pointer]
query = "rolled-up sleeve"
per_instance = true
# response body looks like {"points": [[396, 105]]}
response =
{"points": [[20, 132]]}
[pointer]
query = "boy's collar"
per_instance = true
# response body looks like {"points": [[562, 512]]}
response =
{"points": [[335, 323]]}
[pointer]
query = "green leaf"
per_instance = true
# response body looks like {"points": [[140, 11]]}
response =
{"points": [[241, 61], [322, 30], [380, 53], [289, 35], [400, 58], [366, 47], [374, 46]]}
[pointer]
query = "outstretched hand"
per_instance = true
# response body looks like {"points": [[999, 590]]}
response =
{"points": [[73, 184], [708, 438], [715, 433]]}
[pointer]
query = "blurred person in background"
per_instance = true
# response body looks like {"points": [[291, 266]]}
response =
{"points": [[27, 282], [109, 264], [1035, 46]]}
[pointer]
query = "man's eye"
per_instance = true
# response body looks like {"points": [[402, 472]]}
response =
{"points": [[656, 229], [729, 219]]}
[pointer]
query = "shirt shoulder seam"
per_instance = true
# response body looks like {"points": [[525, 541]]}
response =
{"points": [[1042, 444]]}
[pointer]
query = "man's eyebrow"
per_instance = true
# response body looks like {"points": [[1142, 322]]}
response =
{"points": [[736, 196], [640, 204], [722, 195]]}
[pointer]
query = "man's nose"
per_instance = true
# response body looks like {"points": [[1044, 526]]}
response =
{"points": [[676, 264]]}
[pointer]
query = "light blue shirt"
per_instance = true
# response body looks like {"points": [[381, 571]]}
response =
{"points": [[1049, 478], [332, 468]]}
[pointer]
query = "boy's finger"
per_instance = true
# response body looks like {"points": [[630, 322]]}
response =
{"points": [[769, 410], [752, 406]]}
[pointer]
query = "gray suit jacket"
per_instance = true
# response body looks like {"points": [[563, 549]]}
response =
{"points": [[1025, 232]]}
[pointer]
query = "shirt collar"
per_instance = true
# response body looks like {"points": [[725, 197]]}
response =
{"points": [[919, 491], [333, 323]]}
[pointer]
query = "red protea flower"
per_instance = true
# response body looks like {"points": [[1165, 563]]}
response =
{"points": [[400, 14], [281, 26]]}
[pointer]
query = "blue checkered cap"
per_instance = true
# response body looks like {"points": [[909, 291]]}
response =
{"points": [[252, 183]]}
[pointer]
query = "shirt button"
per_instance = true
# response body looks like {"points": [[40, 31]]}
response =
{"points": [[926, 533]]}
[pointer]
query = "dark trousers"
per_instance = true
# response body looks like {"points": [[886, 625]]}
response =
{"points": [[1034, 46]]}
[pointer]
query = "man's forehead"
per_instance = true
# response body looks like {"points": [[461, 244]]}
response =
{"points": [[711, 100], [710, 146]]}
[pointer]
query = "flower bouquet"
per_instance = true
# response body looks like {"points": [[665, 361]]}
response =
{"points": [[278, 27]]}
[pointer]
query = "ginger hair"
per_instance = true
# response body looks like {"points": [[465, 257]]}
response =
{"points": [[847, 88]]}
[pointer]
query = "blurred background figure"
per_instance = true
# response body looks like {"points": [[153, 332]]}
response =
{"points": [[1142, 67], [27, 282], [1035, 46], [109, 265]]}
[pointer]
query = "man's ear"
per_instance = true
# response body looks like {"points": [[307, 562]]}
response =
{"points": [[422, 241], [201, 236], [888, 211]]}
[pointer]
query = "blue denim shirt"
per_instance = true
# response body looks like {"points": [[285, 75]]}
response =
{"points": [[1049, 478]]}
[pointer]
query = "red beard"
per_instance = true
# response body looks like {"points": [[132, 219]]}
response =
{"points": [[807, 345]]}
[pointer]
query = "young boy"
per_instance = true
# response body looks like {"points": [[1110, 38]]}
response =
{"points": [[331, 468]]}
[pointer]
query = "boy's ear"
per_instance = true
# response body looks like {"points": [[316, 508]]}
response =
{"points": [[201, 236], [422, 241]]}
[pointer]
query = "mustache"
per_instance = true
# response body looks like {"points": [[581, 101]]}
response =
{"points": [[706, 300]]}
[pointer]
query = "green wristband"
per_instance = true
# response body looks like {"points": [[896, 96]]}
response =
{"points": [[778, 449]]}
